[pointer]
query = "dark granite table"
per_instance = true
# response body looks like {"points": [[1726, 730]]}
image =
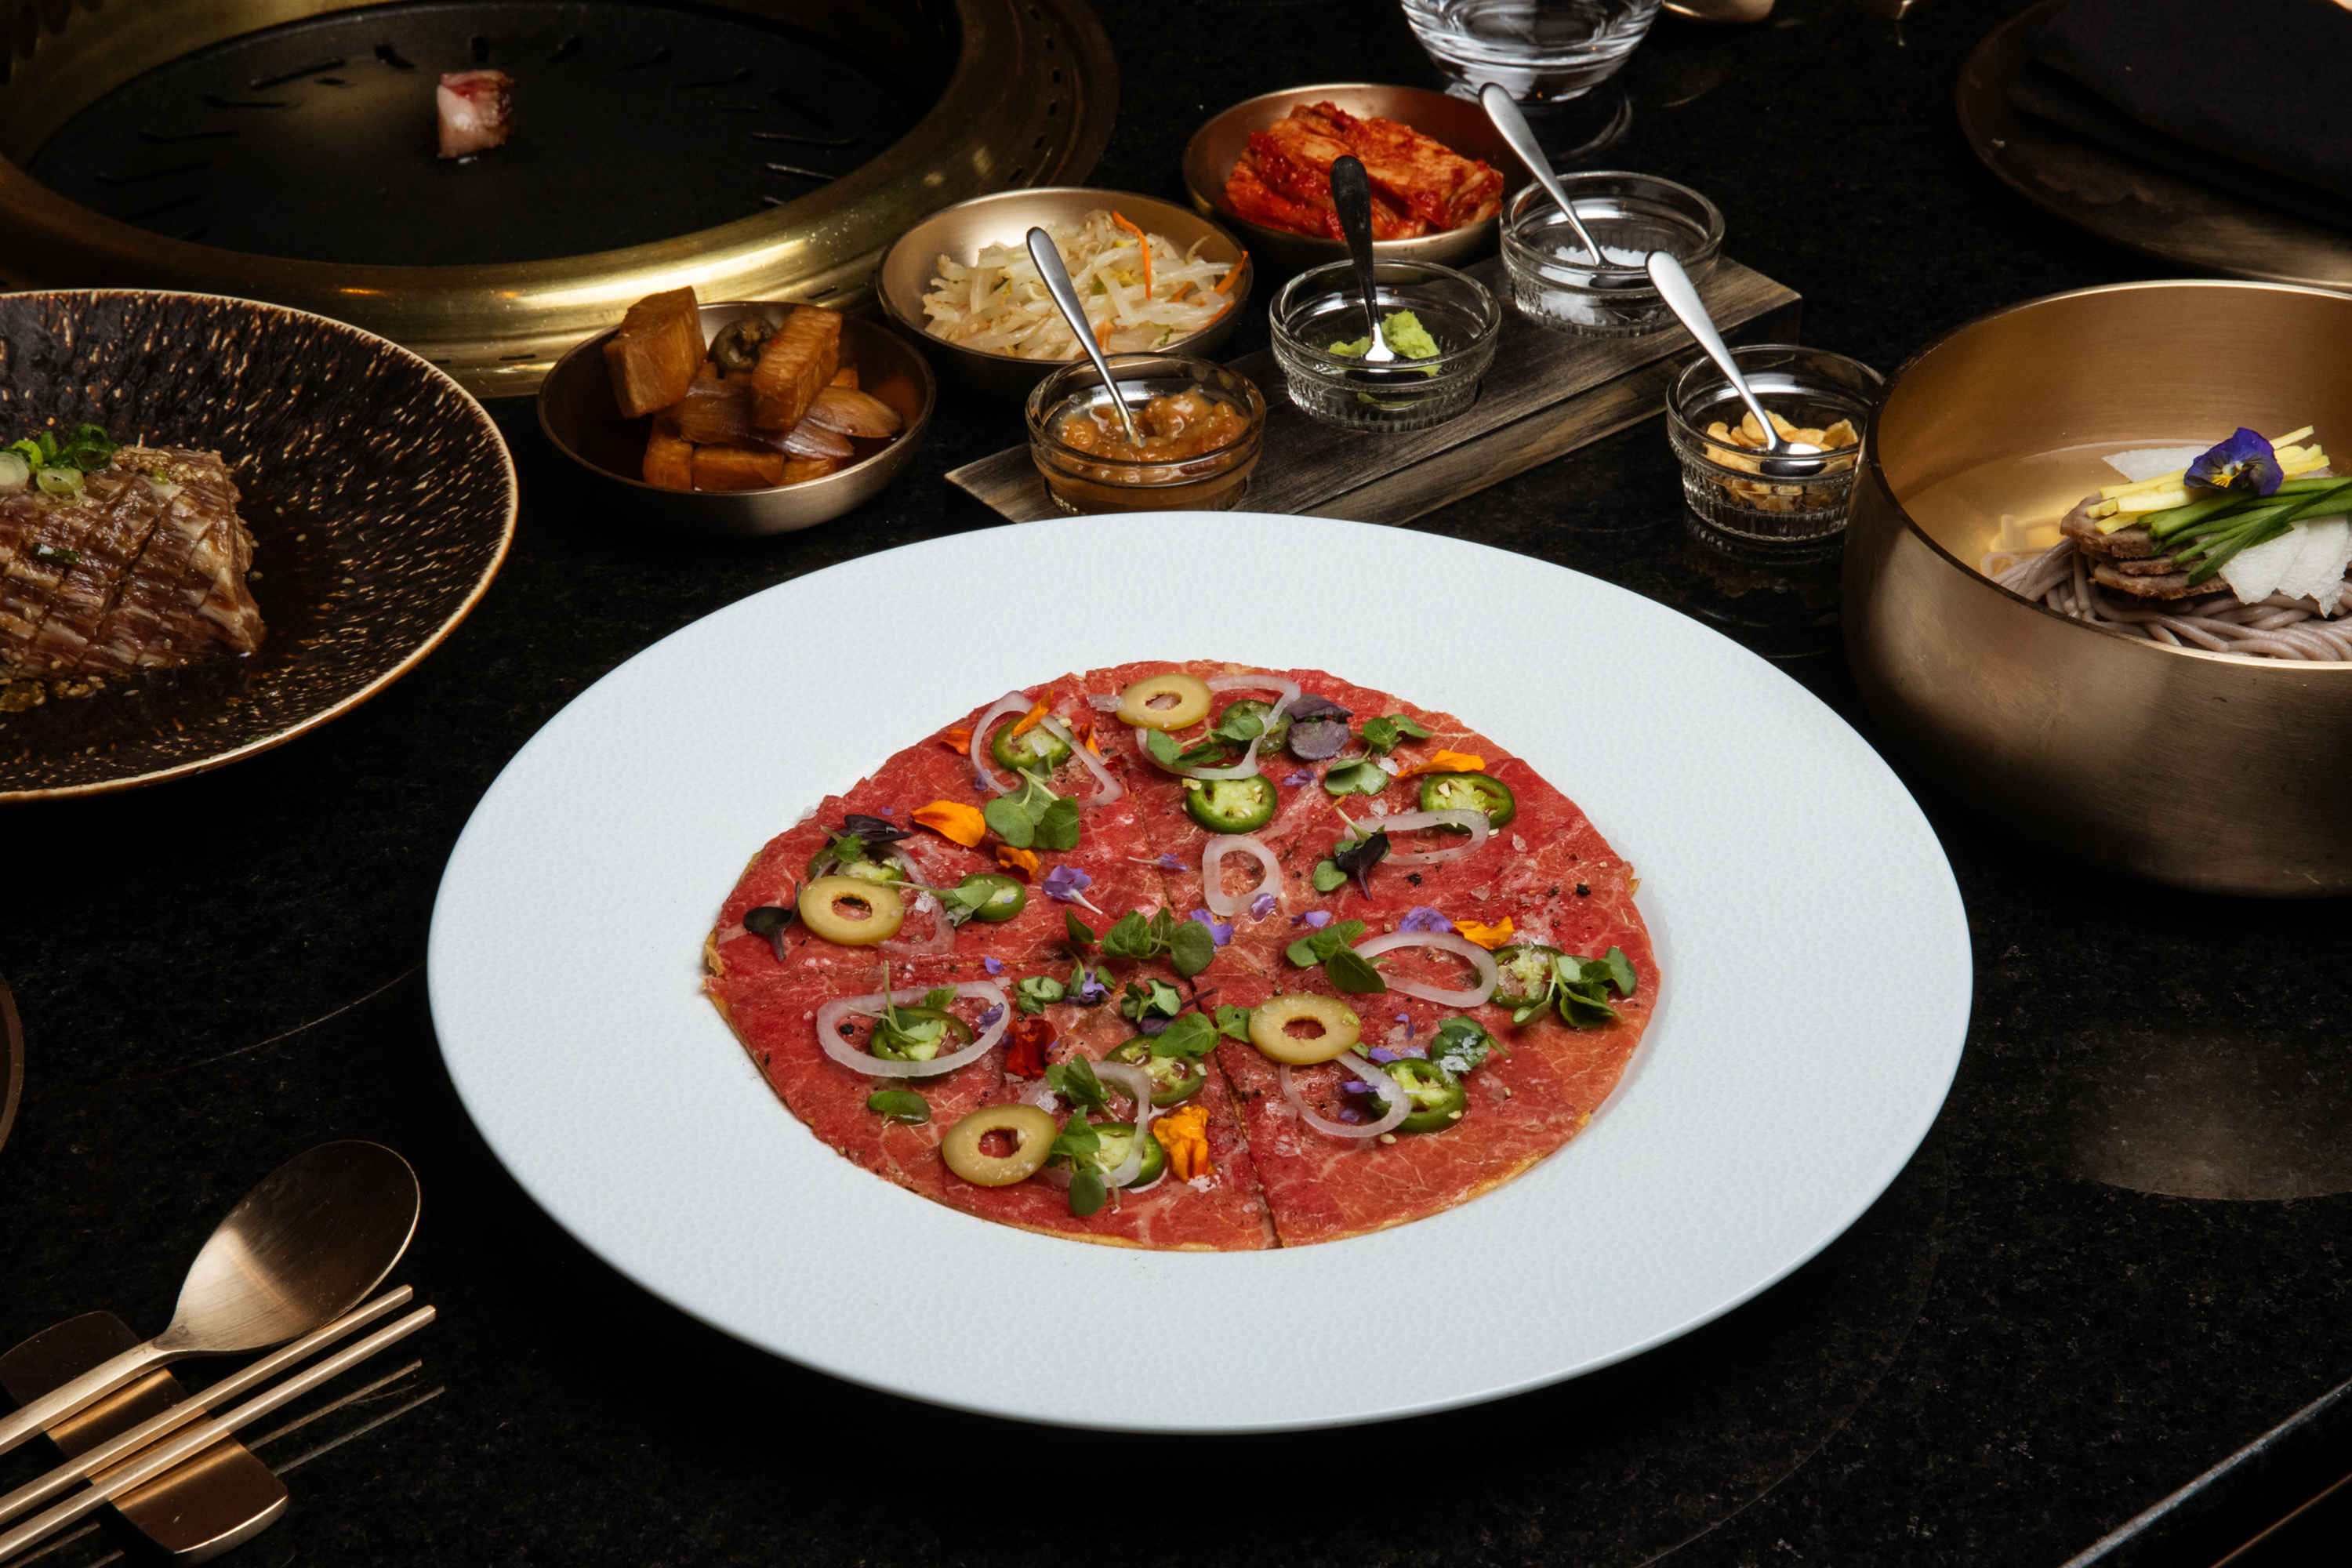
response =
{"points": [[2118, 1257]]}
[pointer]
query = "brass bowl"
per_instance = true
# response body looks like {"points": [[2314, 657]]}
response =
{"points": [[1020, 92], [2220, 773], [1462, 125], [963, 230], [581, 421]]}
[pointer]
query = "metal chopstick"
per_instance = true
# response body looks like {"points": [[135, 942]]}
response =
{"points": [[85, 1464], [146, 1465]]}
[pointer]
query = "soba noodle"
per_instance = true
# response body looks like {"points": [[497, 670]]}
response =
{"points": [[2275, 627]]}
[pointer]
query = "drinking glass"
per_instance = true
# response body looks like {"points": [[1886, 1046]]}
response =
{"points": [[1542, 51]]}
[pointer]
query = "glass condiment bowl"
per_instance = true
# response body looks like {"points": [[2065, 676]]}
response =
{"points": [[1082, 482], [1811, 388], [1323, 306], [1553, 279]]}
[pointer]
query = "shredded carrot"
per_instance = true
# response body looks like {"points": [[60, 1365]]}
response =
{"points": [[1181, 288], [1142, 239], [956, 739], [1023, 861], [1446, 762], [1029, 719], [1491, 936], [955, 820], [1232, 273], [1185, 1135]]}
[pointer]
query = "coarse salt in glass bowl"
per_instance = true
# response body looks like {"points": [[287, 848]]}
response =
{"points": [[1553, 279]]}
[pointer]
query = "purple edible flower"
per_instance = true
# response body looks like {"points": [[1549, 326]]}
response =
{"points": [[1355, 1086], [1420, 1051], [1091, 991], [1422, 918], [1316, 918], [993, 965], [1350, 1113], [1170, 863], [1303, 776], [1261, 906], [1219, 932], [988, 1019], [1382, 1054], [2244, 462], [1066, 882], [1406, 1019]]}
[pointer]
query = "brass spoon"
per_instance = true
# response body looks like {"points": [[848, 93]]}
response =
{"points": [[1048, 258], [298, 1252]]}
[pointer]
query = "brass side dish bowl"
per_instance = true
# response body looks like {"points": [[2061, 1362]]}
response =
{"points": [[2220, 773], [1458, 122], [581, 419], [965, 229]]}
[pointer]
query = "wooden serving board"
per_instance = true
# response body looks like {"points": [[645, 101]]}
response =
{"points": [[1549, 392]]}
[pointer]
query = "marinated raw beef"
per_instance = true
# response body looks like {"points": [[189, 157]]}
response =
{"points": [[145, 569], [477, 111]]}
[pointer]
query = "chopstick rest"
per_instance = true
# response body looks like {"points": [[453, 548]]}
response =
{"points": [[225, 1497]]}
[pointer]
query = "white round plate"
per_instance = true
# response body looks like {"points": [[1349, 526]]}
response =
{"points": [[1815, 960]]}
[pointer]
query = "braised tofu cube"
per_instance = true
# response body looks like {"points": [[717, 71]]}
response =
{"points": [[656, 352], [794, 366]]}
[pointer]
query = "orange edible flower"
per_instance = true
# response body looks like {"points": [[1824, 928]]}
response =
{"points": [[1029, 719], [956, 739], [1142, 239], [1019, 860], [1085, 730], [1488, 937], [1185, 1135], [1446, 762], [955, 820]]}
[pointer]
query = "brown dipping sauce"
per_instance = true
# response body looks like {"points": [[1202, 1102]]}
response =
{"points": [[1176, 427]]}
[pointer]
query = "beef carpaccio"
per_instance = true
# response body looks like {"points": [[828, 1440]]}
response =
{"points": [[1413, 969], [143, 567]]}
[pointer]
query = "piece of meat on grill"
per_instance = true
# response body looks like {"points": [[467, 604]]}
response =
{"points": [[477, 111], [145, 569]]}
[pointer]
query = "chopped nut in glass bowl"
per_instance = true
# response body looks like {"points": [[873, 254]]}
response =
{"points": [[1813, 396]]}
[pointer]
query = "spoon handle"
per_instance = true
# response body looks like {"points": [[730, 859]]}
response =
{"points": [[1048, 258], [1675, 287], [1351, 195], [89, 1388], [1496, 99]]}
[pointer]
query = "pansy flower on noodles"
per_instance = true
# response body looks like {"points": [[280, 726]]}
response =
{"points": [[2244, 462]]}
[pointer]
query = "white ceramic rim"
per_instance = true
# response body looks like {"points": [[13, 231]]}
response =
{"points": [[1816, 964]]}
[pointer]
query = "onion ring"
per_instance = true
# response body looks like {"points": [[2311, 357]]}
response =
{"points": [[1111, 788], [1010, 703], [1406, 821], [1247, 767], [1400, 1104], [1137, 1083], [1222, 904], [828, 1034], [1489, 973]]}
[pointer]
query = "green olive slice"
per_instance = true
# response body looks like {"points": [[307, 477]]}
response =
{"points": [[852, 912], [1269, 1028], [1167, 701], [1032, 1133]]}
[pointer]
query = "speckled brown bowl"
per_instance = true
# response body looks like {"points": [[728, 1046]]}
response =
{"points": [[380, 499]]}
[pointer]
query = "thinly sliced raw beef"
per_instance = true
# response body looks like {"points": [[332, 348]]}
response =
{"points": [[1278, 1181]]}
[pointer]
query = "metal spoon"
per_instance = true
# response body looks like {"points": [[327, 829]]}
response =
{"points": [[298, 1252], [1782, 458], [1048, 258], [1351, 193], [1522, 138]]}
